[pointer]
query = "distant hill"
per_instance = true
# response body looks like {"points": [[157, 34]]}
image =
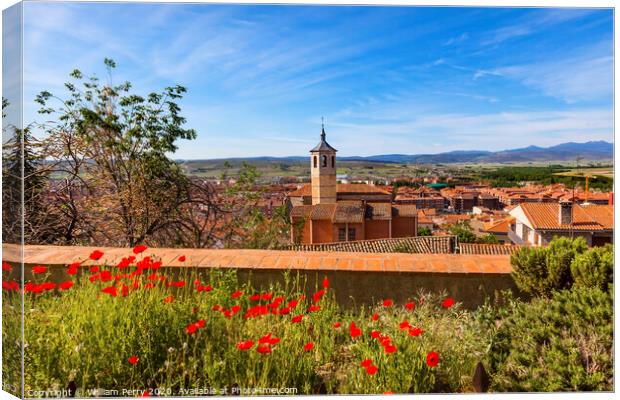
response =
{"points": [[590, 151]]}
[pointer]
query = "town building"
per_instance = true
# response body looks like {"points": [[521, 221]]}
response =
{"points": [[325, 211], [537, 223]]}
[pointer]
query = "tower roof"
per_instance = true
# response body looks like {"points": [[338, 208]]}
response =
{"points": [[323, 145]]}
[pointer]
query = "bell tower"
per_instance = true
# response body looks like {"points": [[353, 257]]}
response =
{"points": [[323, 171]]}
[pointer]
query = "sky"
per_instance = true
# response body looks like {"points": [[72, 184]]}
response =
{"points": [[405, 80]]}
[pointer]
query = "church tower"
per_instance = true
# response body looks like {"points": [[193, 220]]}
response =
{"points": [[323, 172]]}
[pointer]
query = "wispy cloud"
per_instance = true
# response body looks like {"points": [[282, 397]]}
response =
{"points": [[456, 39]]}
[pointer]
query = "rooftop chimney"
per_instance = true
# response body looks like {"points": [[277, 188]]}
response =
{"points": [[566, 213]]}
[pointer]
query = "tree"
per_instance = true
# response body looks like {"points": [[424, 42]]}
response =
{"points": [[424, 231], [489, 238], [594, 268], [463, 232], [543, 270], [115, 145]]}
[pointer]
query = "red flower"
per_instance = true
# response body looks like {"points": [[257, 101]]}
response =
{"points": [[293, 303], [285, 311], [308, 346], [410, 305], [390, 349], [354, 331], [95, 255], [65, 285], [182, 259], [317, 296], [201, 323], [145, 394], [405, 325], [385, 341], [375, 334], [217, 307], [255, 297], [432, 359], [265, 339], [325, 283], [111, 290], [6, 266], [106, 276], [191, 328], [374, 317], [264, 349], [448, 302], [236, 294], [314, 308], [337, 325], [139, 249], [245, 345], [208, 288], [168, 299], [296, 319], [415, 331], [133, 360], [94, 269], [39, 269], [371, 369], [366, 363], [388, 303], [125, 290], [179, 283], [266, 296]]}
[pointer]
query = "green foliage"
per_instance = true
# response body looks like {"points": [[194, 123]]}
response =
{"points": [[542, 270], [594, 268], [424, 231], [489, 238], [513, 176], [558, 344], [463, 232]]}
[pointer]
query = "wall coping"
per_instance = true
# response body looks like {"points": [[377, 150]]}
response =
{"points": [[270, 259]]}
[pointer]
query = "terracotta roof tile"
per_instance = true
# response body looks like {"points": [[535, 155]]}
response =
{"points": [[404, 210], [378, 211], [348, 188], [322, 211], [489, 249], [348, 212], [544, 216]]}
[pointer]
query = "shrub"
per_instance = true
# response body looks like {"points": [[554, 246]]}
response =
{"points": [[463, 232], [541, 270], [558, 344], [424, 231], [594, 268]]}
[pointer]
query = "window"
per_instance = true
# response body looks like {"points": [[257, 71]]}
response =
{"points": [[333, 161], [351, 234], [315, 160], [342, 235], [324, 160]]}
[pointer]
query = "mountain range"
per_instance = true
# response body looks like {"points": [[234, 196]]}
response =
{"points": [[588, 151]]}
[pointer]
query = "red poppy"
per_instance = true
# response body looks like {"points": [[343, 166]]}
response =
{"points": [[201, 323], [405, 325], [388, 302], [106, 276], [139, 249], [125, 291], [135, 284], [366, 363], [385, 340], [72, 270], [410, 305], [273, 341], [94, 269], [390, 349], [179, 283], [111, 290], [314, 308], [415, 331], [375, 334], [235, 309], [245, 345], [168, 299], [65, 285], [325, 283], [354, 331], [264, 349], [95, 255], [255, 297], [236, 294], [39, 269], [285, 311], [133, 360], [266, 296], [265, 339], [371, 369], [217, 307], [317, 296], [93, 278], [448, 302], [191, 328], [149, 285], [182, 259], [293, 303], [337, 325], [308, 346], [297, 319], [208, 288], [374, 317], [432, 359], [6, 266]]}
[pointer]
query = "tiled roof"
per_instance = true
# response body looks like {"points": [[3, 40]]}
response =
{"points": [[500, 226], [489, 249], [544, 216], [322, 211], [345, 188], [379, 211], [404, 210], [348, 212], [418, 244], [272, 259], [301, 211]]}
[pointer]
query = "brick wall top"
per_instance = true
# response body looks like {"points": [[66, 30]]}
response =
{"points": [[271, 259]]}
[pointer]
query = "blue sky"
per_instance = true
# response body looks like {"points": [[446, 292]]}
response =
{"points": [[386, 79]]}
